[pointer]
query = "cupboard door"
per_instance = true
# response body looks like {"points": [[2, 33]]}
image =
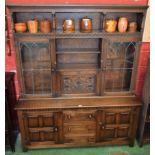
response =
{"points": [[114, 124], [119, 66], [43, 127], [85, 83], [36, 62]]}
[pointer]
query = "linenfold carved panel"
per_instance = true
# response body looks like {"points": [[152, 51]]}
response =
{"points": [[77, 84]]}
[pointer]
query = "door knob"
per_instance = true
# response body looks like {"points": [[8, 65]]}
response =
{"points": [[90, 116]]}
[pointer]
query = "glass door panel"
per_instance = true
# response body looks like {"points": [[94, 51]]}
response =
{"points": [[36, 68], [119, 66]]}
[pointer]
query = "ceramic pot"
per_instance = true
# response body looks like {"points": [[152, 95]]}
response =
{"points": [[132, 27], [110, 25], [69, 26], [86, 25], [45, 26], [122, 24], [32, 26], [20, 27]]}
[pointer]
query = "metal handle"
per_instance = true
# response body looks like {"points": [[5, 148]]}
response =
{"points": [[55, 129], [53, 68], [69, 129], [69, 116], [90, 116], [100, 123], [103, 127]]}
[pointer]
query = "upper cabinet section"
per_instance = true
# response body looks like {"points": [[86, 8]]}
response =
{"points": [[75, 21]]}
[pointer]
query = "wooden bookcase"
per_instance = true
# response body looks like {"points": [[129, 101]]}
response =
{"points": [[77, 89]]}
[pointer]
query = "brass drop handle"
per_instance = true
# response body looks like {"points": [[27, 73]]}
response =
{"points": [[69, 129], [103, 127], [100, 123], [90, 116], [55, 129], [69, 116]]}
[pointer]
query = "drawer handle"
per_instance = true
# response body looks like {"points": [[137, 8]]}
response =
{"points": [[69, 129], [100, 123], [103, 127], [69, 117], [90, 116], [55, 129]]}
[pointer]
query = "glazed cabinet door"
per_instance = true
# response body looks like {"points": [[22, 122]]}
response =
{"points": [[119, 66], [115, 124], [42, 127], [36, 63]]}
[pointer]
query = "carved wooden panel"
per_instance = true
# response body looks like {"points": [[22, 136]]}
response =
{"points": [[79, 83]]}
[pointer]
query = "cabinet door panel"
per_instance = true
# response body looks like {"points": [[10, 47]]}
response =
{"points": [[110, 118], [114, 123], [79, 83], [42, 126], [123, 132], [35, 59], [119, 63], [34, 136], [108, 133]]}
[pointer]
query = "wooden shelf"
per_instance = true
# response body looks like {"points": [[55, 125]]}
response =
{"points": [[77, 66], [78, 51], [39, 35], [120, 37]]}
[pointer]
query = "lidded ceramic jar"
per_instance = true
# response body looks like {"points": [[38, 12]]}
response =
{"points": [[122, 24], [86, 24], [32, 26], [132, 27], [69, 25], [110, 25], [45, 26]]}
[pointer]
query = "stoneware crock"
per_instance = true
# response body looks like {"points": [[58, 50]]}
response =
{"points": [[32, 26], [86, 24], [20, 27], [122, 24], [68, 26]]}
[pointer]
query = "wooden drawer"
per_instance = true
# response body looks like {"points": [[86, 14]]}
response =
{"points": [[71, 116], [84, 128], [79, 139]]}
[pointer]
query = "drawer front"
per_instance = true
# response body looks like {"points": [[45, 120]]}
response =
{"points": [[80, 139], [71, 116], [79, 126], [76, 129]]}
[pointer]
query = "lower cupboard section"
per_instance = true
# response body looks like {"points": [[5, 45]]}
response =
{"points": [[78, 127]]}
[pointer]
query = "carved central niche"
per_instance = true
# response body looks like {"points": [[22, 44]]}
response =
{"points": [[77, 84]]}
